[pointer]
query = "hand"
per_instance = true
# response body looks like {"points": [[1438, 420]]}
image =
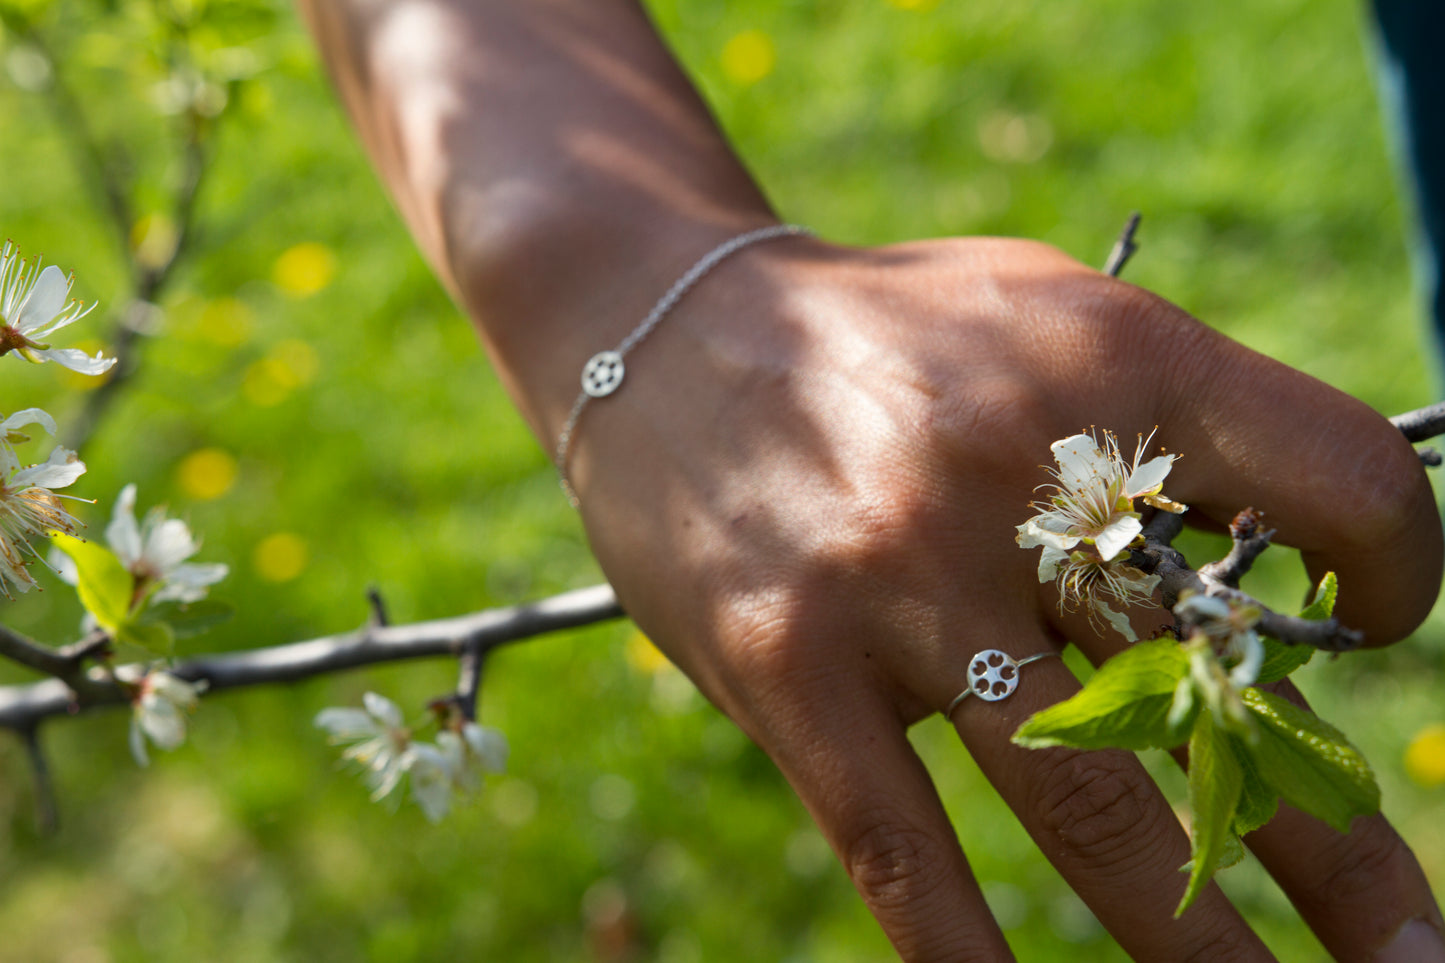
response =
{"points": [[806, 494]]}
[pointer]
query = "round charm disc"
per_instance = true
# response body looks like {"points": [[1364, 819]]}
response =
{"points": [[602, 374], [993, 675]]}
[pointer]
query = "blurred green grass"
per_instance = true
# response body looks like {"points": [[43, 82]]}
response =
{"points": [[635, 820]]}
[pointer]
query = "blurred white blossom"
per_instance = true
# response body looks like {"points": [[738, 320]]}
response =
{"points": [[156, 550], [159, 709], [34, 303], [1229, 626], [29, 507], [387, 752]]}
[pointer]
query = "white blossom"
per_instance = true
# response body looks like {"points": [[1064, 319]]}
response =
{"points": [[1089, 522], [433, 779], [29, 507], [387, 751], [1229, 626], [156, 550], [33, 304], [1094, 496], [475, 750], [159, 708], [379, 741]]}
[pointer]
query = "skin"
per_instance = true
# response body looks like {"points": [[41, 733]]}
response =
{"points": [[807, 489]]}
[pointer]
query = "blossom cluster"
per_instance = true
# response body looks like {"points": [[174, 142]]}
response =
{"points": [[388, 753], [34, 303], [1091, 519]]}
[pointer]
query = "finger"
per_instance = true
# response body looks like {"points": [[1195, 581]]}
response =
{"points": [[1331, 475], [855, 771], [1359, 890], [1103, 823]]}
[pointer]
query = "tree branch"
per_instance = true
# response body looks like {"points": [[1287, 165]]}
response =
{"points": [[1124, 247], [23, 706], [1159, 557]]}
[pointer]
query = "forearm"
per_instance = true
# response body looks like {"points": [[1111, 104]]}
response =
{"points": [[555, 165]]}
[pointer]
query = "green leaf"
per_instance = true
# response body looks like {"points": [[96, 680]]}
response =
{"points": [[1125, 704], [155, 638], [1309, 763], [1280, 659], [189, 618], [1258, 802], [105, 587], [1323, 604], [1215, 782]]}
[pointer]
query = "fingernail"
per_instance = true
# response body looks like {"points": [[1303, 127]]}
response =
{"points": [[1417, 942]]}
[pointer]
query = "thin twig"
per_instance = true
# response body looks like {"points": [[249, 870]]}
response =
{"points": [[47, 811], [1124, 247], [1159, 557], [469, 682], [1248, 542], [25, 705], [1422, 423], [31, 654]]}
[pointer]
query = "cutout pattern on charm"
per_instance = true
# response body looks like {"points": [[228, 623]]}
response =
{"points": [[602, 374], [993, 675]]}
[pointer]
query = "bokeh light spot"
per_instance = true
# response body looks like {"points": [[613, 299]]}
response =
{"points": [[206, 474], [280, 557], [153, 239], [304, 269], [226, 322], [645, 657], [1425, 756], [919, 5], [749, 57]]}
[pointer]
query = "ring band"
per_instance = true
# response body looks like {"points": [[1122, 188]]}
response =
{"points": [[993, 675]]}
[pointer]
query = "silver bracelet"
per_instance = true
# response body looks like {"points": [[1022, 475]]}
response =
{"points": [[603, 373]]}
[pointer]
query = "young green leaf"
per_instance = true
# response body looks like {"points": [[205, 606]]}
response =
{"points": [[156, 638], [1323, 605], [1215, 783], [1258, 802], [104, 585], [1309, 763], [1124, 705], [1280, 659], [188, 618]]}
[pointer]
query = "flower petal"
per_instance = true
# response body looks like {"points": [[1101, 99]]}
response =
{"points": [[122, 533], [1081, 463], [383, 710], [1117, 536], [76, 360], [1148, 478], [46, 300], [59, 470]]}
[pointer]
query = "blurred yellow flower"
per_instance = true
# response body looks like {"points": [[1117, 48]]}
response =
{"points": [[304, 269], [1425, 756], [153, 238], [206, 473], [280, 557], [645, 657], [226, 322], [913, 4], [748, 57]]}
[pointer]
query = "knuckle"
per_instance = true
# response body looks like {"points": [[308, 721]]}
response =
{"points": [[894, 865], [1099, 807]]}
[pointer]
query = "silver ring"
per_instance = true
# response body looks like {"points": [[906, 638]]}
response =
{"points": [[993, 675]]}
